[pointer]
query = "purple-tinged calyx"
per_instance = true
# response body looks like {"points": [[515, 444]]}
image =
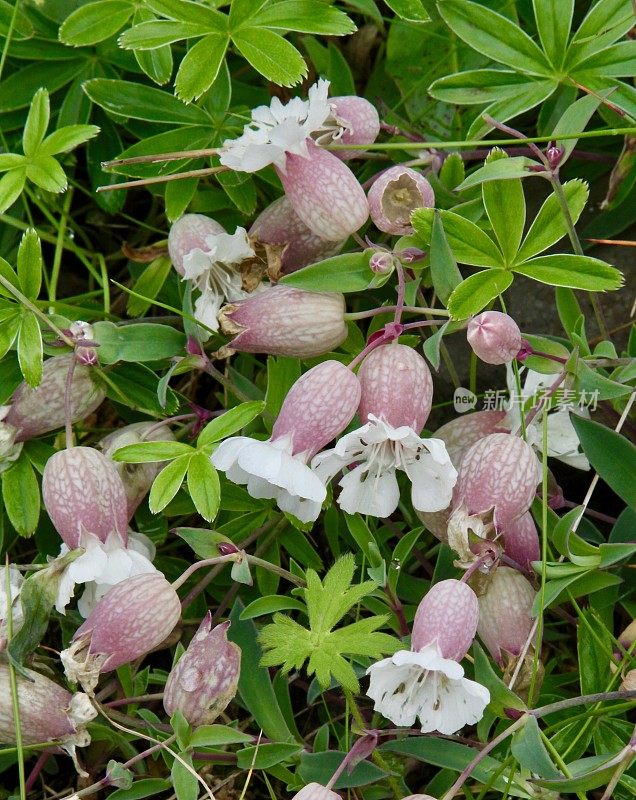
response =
{"points": [[396, 193], [205, 679], [521, 541], [353, 120], [461, 433], [188, 235], [285, 321], [133, 618], [494, 337]]}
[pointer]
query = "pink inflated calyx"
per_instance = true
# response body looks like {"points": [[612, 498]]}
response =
{"points": [[286, 321], [494, 337], [521, 541], [189, 233], [288, 240], [505, 619], [396, 386], [324, 193], [359, 120], [394, 195], [83, 492], [461, 433], [500, 472], [318, 407], [43, 409], [446, 616], [205, 678]]}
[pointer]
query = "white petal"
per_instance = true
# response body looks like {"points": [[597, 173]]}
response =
{"points": [[364, 492], [432, 482], [196, 263], [207, 307]]}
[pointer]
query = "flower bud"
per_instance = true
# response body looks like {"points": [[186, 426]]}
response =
{"points": [[447, 615], [316, 791], [628, 636], [396, 193], [284, 321], [396, 386], [205, 678], [189, 233], [494, 337], [504, 613], [324, 193], [360, 121], [500, 472], [130, 620], [40, 410], [82, 491], [461, 433], [628, 684], [85, 347], [521, 541], [47, 711], [286, 238], [382, 263], [136, 478]]}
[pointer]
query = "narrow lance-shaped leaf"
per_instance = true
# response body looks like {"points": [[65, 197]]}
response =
{"points": [[203, 486], [444, 272], [30, 348], [271, 55], [505, 206], [200, 67], [95, 22], [474, 294], [37, 122], [577, 272], [30, 264]]}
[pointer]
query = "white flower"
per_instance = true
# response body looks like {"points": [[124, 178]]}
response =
{"points": [[563, 443], [270, 471], [17, 616], [276, 130], [101, 566], [425, 685], [213, 271], [377, 450]]}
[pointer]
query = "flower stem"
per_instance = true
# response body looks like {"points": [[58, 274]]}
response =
{"points": [[32, 307], [68, 405], [355, 315]]}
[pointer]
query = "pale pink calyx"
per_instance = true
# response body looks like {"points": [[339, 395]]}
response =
{"points": [[85, 345], [447, 616], [188, 235], [494, 337], [288, 242], [316, 791], [353, 120], [133, 618], [462, 432], [9, 449], [317, 408], [205, 678], [40, 410], [521, 541], [505, 619], [396, 193], [285, 321]]}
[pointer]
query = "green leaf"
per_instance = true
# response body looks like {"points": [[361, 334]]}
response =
{"points": [[18, 89], [95, 22], [319, 767], [145, 341], [574, 120], [349, 272], [190, 12], [577, 272], [156, 33], [271, 55], [548, 227], [149, 284], [270, 604], [500, 169], [554, 18], [479, 86], [587, 774], [576, 584], [605, 22], [501, 697], [21, 495], [9, 14], [217, 736], [594, 647], [530, 751], [266, 755], [203, 486], [157, 64], [505, 206], [151, 452], [184, 782], [474, 293], [47, 173], [410, 10], [241, 190], [444, 272], [36, 123], [9, 327], [37, 596], [167, 483], [433, 344], [146, 787], [453, 171], [494, 35], [282, 373], [304, 16], [30, 264], [523, 100], [67, 138], [611, 455], [132, 100], [11, 186], [200, 67], [11, 160], [230, 422], [470, 245], [30, 348]]}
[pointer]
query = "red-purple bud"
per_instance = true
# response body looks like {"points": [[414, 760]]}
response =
{"points": [[461, 433], [40, 410], [447, 615], [521, 541], [284, 321], [133, 618], [494, 337], [395, 195], [82, 491], [504, 613], [206, 676], [396, 386], [189, 233], [360, 121], [382, 263]]}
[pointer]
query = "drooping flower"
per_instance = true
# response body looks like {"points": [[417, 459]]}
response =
{"points": [[353, 120], [12, 600], [322, 190], [288, 242], [86, 501], [130, 620], [212, 263], [563, 442], [494, 337], [521, 541], [317, 408], [205, 678], [461, 433], [396, 193], [285, 321], [505, 619], [427, 682], [40, 410], [395, 403]]}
